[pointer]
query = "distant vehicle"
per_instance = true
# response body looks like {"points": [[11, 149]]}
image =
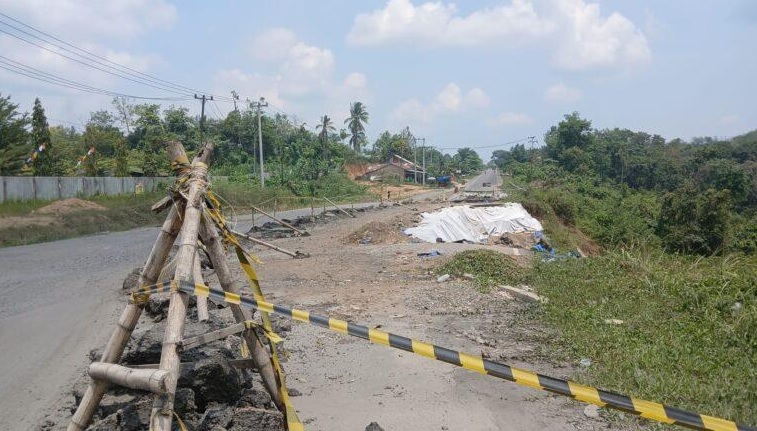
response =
{"points": [[486, 185], [443, 181]]}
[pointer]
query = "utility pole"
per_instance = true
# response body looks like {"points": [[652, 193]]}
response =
{"points": [[260, 104], [234, 97], [531, 141], [202, 112], [415, 159], [424, 160]]}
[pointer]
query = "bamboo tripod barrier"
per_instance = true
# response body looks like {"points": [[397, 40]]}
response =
{"points": [[260, 358], [130, 316], [162, 409], [163, 383]]}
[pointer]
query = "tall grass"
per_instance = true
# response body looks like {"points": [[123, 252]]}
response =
{"points": [[689, 331]]}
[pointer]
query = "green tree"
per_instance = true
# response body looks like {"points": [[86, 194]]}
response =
{"points": [[149, 134], [387, 144], [13, 149], [45, 164], [467, 161], [327, 128], [121, 168], [694, 222], [100, 133], [571, 133], [356, 123]]}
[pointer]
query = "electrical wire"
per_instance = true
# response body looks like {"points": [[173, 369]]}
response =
{"points": [[100, 63], [31, 72]]}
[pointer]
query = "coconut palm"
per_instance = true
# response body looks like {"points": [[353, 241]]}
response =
{"points": [[356, 123], [326, 126]]}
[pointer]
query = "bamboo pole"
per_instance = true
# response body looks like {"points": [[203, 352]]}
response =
{"points": [[294, 254], [202, 301], [281, 222], [128, 320], [141, 379], [337, 207], [161, 417], [228, 283]]}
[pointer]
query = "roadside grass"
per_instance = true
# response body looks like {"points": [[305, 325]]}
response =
{"points": [[20, 208], [121, 213], [132, 211], [689, 332], [488, 267]]}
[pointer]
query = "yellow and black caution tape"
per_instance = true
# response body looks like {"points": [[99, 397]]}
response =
{"points": [[213, 211], [648, 409]]}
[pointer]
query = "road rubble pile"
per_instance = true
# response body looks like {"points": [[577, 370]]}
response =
{"points": [[217, 389]]}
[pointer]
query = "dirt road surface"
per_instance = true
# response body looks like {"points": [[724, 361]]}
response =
{"points": [[59, 300]]}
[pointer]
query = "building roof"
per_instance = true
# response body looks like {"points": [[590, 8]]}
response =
{"points": [[398, 161]]}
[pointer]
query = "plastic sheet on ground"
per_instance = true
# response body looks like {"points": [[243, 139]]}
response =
{"points": [[473, 224]]}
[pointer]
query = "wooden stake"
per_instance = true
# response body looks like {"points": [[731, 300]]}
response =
{"points": [[217, 254], [128, 321], [294, 254], [337, 207], [162, 409], [202, 301], [281, 222], [141, 379]]}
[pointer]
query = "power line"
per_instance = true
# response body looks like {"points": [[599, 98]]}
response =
{"points": [[34, 73], [100, 63], [489, 146], [110, 72]]}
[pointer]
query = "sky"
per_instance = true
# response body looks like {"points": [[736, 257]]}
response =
{"points": [[480, 74]]}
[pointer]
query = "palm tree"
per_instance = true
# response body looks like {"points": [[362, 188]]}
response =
{"points": [[358, 116], [326, 126]]}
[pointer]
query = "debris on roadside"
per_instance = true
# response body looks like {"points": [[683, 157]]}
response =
{"points": [[524, 293]]}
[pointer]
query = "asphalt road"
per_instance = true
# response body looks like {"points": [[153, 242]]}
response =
{"points": [[490, 177], [58, 301]]}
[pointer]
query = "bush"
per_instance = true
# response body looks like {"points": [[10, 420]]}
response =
{"points": [[693, 222], [489, 267]]}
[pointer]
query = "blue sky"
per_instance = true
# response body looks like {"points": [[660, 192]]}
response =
{"points": [[479, 73]]}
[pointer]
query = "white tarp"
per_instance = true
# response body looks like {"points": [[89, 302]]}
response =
{"points": [[473, 224]]}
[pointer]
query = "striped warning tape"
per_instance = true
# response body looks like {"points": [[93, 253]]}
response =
{"points": [[647, 409]]}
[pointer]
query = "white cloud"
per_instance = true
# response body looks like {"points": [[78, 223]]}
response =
{"points": [[291, 74], [102, 28], [302, 68], [580, 37], [589, 40], [561, 94], [730, 120], [273, 44], [436, 24], [450, 99], [509, 119], [476, 99], [251, 84], [80, 20], [355, 80]]}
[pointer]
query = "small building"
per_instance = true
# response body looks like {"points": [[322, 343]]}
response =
{"points": [[396, 169]]}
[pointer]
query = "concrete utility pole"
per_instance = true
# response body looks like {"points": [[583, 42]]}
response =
{"points": [[260, 104], [424, 160], [234, 97], [202, 111]]}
